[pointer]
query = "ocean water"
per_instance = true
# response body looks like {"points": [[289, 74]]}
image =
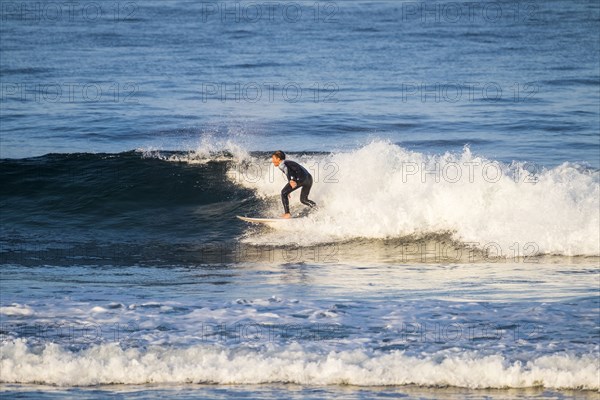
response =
{"points": [[455, 150]]}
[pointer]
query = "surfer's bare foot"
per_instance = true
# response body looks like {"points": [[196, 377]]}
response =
{"points": [[286, 216]]}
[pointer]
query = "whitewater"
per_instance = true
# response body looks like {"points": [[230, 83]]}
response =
{"points": [[381, 190]]}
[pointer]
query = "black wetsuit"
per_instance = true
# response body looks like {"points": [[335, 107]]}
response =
{"points": [[297, 173]]}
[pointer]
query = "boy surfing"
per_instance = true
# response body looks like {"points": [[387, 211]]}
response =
{"points": [[297, 176]]}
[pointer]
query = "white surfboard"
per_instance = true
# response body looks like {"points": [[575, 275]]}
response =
{"points": [[263, 220]]}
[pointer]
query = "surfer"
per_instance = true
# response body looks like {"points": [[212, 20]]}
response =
{"points": [[297, 177]]}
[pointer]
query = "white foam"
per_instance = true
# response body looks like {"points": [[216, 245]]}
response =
{"points": [[16, 310], [110, 364], [208, 149], [384, 191]]}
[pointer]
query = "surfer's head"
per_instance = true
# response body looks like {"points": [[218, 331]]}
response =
{"points": [[277, 157]]}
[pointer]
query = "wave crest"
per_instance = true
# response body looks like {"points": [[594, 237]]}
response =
{"points": [[110, 364], [383, 191]]}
